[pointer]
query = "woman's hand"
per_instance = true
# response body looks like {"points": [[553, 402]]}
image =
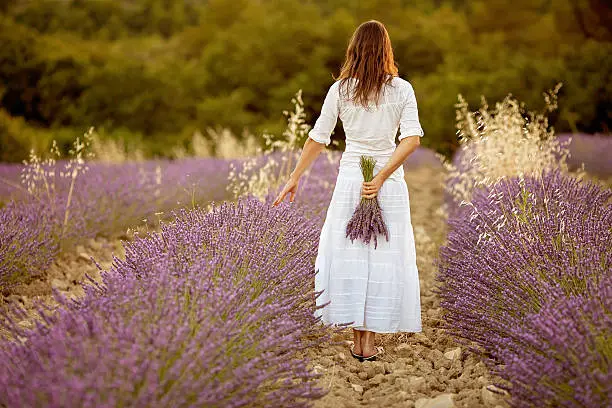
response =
{"points": [[369, 189], [290, 187]]}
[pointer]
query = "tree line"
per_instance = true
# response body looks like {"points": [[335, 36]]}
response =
{"points": [[153, 71]]}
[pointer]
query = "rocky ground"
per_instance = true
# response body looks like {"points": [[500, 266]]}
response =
{"points": [[421, 370]]}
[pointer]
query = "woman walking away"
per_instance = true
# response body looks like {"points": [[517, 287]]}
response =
{"points": [[376, 289]]}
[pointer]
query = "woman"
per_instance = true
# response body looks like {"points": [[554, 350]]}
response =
{"points": [[376, 289]]}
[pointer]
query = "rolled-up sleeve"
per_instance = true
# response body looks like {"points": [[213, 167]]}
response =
{"points": [[409, 120], [326, 122]]}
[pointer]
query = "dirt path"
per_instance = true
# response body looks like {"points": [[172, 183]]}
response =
{"points": [[421, 370]]}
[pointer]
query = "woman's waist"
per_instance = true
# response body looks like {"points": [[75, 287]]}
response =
{"points": [[380, 146], [349, 165]]}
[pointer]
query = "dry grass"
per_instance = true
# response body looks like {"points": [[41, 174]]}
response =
{"points": [[503, 142], [221, 142], [257, 178], [109, 150]]}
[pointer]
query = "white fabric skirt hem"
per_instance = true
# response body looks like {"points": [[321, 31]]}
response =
{"points": [[416, 329], [407, 330]]}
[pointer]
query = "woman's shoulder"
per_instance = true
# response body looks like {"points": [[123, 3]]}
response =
{"points": [[402, 84], [343, 87]]}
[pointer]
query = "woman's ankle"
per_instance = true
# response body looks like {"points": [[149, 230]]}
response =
{"points": [[357, 336], [368, 346]]}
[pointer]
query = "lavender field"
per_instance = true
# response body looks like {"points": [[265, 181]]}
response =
{"points": [[176, 283], [144, 143]]}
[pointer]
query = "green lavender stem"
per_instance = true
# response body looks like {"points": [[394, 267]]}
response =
{"points": [[367, 163]]}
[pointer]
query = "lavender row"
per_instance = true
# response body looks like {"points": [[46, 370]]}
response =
{"points": [[11, 187], [315, 190], [518, 259], [27, 246], [565, 358], [105, 200], [592, 151], [212, 311]]}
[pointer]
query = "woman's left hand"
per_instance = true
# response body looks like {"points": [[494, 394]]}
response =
{"points": [[369, 189]]}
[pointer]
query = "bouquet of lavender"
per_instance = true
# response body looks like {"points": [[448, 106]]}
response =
{"points": [[367, 221]]}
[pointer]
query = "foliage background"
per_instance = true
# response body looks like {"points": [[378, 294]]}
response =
{"points": [[151, 72]]}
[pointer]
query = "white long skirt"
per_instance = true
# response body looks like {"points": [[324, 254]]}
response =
{"points": [[375, 289]]}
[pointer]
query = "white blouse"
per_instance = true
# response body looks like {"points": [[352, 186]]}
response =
{"points": [[370, 131]]}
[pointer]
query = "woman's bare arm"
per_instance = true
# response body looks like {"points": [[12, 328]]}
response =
{"points": [[405, 147], [309, 153]]}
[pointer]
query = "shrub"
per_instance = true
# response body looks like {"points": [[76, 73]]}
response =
{"points": [[270, 169], [223, 143], [14, 142], [34, 231], [316, 188], [516, 247], [114, 196], [275, 249], [115, 149], [212, 311], [565, 352], [27, 246]]}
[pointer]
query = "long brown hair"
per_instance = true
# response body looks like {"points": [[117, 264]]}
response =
{"points": [[369, 58]]}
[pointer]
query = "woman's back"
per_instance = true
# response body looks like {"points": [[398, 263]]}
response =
{"points": [[369, 131]]}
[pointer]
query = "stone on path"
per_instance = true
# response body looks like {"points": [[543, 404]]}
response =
{"points": [[357, 388], [402, 346], [453, 354], [60, 284], [84, 256], [404, 350], [490, 394], [441, 401], [377, 379], [422, 338], [416, 383]]}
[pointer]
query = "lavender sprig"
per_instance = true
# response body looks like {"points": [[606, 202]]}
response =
{"points": [[367, 221]]}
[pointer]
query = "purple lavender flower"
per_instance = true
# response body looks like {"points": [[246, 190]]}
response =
{"points": [[213, 311], [10, 185], [27, 246], [563, 356], [367, 221], [423, 156], [522, 247]]}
